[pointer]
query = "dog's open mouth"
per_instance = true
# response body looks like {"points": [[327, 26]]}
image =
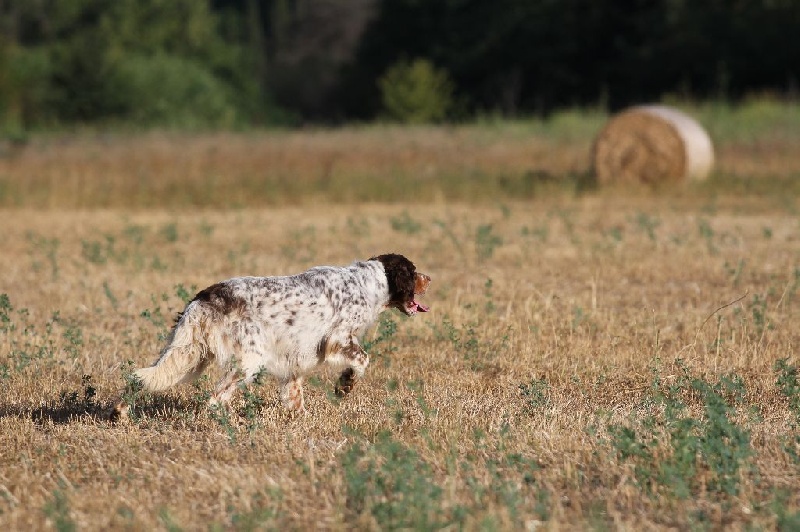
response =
{"points": [[413, 306], [421, 283]]}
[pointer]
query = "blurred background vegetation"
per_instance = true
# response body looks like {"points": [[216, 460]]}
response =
{"points": [[192, 64]]}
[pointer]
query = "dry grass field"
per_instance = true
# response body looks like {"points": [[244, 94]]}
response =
{"points": [[593, 359]]}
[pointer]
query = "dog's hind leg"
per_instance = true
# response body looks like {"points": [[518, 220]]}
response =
{"points": [[226, 387], [236, 376], [292, 394]]}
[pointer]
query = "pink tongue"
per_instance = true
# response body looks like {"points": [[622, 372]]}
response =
{"points": [[420, 307]]}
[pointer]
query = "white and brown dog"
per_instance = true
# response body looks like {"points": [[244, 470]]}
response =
{"points": [[284, 326]]}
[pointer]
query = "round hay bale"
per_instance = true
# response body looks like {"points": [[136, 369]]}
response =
{"points": [[652, 144]]}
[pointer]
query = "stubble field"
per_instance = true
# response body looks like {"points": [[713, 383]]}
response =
{"points": [[592, 358]]}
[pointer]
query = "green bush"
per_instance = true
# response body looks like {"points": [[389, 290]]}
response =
{"points": [[416, 92], [171, 91], [24, 86]]}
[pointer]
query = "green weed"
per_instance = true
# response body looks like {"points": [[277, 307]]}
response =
{"points": [[169, 232], [26, 344], [707, 234], [758, 310], [789, 386], [735, 272], [648, 224], [671, 449], [392, 482], [486, 241], [49, 247], [222, 416], [381, 343], [405, 224], [168, 521], [535, 394], [57, 510], [259, 517]]}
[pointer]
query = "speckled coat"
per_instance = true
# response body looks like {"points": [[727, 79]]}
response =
{"points": [[284, 326]]}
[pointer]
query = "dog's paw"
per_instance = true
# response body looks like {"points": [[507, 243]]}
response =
{"points": [[118, 412], [347, 380]]}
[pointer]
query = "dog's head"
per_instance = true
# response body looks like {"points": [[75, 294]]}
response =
{"points": [[405, 283]]}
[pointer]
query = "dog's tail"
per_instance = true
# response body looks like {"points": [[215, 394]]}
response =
{"points": [[184, 357]]}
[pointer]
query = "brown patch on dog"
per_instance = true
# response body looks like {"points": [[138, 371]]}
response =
{"points": [[400, 275], [221, 298], [421, 283], [325, 347]]}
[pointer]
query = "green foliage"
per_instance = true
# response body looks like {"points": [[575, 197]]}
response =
{"points": [[74, 403], [24, 91], [416, 92], [405, 224], [132, 390], [260, 516], [392, 482], [789, 385], [486, 241], [145, 62], [671, 449], [171, 91], [57, 510], [27, 345], [222, 416], [381, 344], [535, 394]]}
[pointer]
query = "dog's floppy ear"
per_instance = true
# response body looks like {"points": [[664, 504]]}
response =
{"points": [[400, 276]]}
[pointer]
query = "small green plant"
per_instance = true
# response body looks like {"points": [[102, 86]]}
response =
{"points": [[74, 403], [261, 515], [648, 224], [110, 295], [486, 241], [416, 92], [489, 305], [707, 233], [392, 482], [132, 390], [57, 510], [758, 310], [220, 413], [735, 272], [48, 246], [535, 394], [73, 334], [789, 385], [670, 448], [6, 324], [169, 522], [185, 294], [467, 344], [381, 343], [169, 232], [405, 224], [253, 403]]}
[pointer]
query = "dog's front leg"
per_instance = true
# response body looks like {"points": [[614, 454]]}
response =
{"points": [[357, 360]]}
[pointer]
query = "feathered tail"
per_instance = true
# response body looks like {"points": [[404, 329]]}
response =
{"points": [[184, 357]]}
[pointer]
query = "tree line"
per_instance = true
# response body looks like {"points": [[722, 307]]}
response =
{"points": [[212, 63]]}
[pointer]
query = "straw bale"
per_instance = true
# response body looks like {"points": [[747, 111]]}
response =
{"points": [[652, 144]]}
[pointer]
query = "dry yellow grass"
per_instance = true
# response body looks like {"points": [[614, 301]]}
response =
{"points": [[590, 296], [376, 164]]}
